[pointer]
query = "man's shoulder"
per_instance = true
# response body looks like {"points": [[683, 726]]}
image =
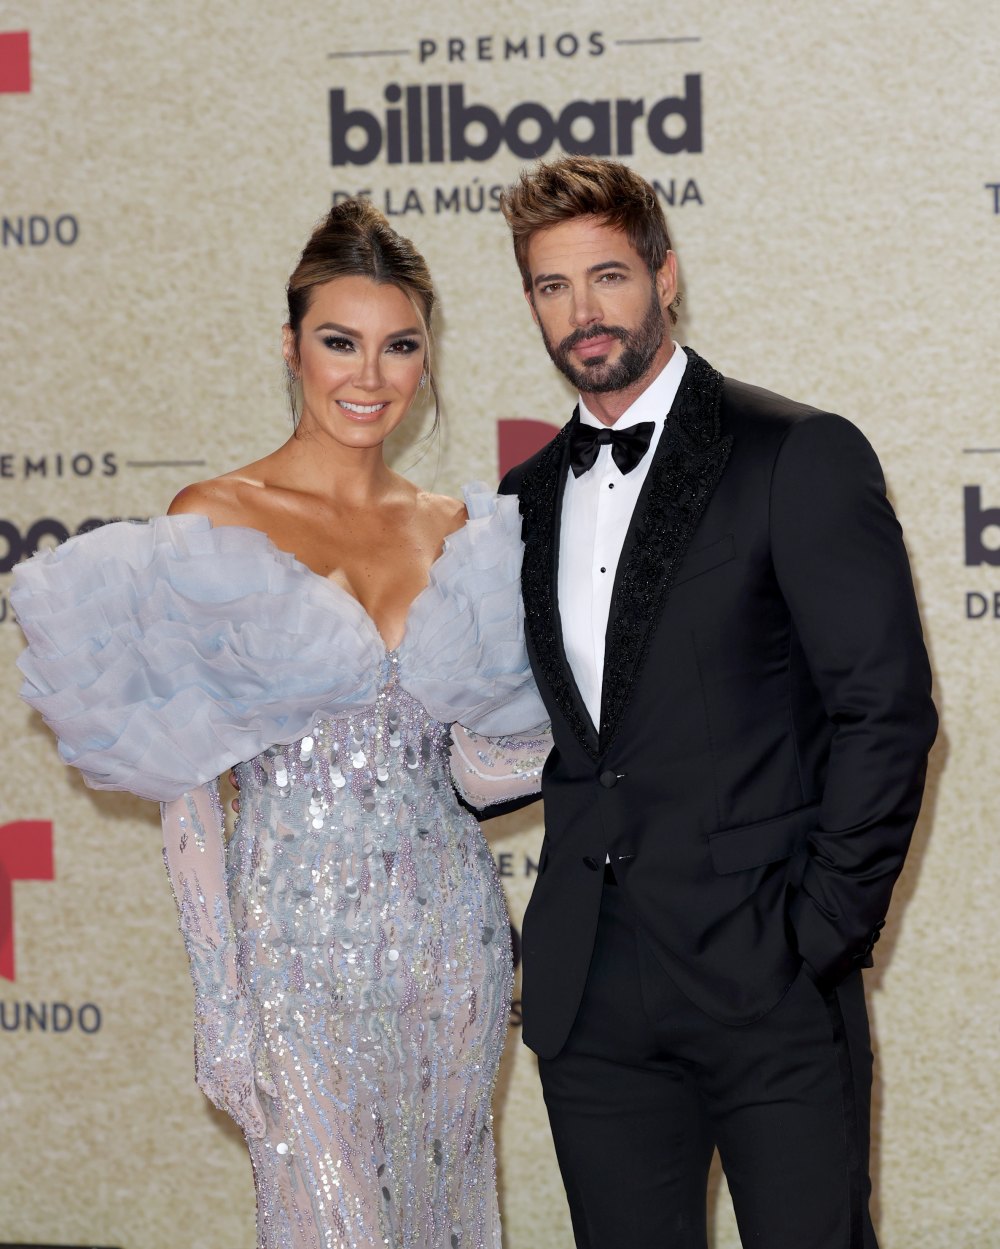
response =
{"points": [[755, 405], [767, 424], [749, 412]]}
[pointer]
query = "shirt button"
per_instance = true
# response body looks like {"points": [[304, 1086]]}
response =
{"points": [[604, 570], [608, 779], [611, 485]]}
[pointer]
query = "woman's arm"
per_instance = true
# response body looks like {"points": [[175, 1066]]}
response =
{"points": [[488, 771], [228, 1046]]}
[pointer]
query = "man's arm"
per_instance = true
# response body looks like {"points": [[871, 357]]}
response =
{"points": [[840, 562], [511, 481]]}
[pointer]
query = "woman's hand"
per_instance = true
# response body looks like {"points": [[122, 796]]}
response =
{"points": [[229, 1061]]}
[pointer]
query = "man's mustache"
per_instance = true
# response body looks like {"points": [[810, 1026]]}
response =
{"points": [[593, 331]]}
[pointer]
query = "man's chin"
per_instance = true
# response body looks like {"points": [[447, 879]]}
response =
{"points": [[593, 377], [601, 380]]}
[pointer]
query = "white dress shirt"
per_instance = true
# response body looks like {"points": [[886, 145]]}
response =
{"points": [[596, 513]]}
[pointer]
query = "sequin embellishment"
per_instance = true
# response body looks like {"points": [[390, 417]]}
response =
{"points": [[372, 934]]}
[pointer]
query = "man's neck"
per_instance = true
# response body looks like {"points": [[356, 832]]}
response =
{"points": [[608, 407]]}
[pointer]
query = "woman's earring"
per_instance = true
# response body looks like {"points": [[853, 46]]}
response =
{"points": [[294, 394], [423, 380]]}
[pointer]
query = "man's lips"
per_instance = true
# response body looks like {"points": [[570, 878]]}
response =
{"points": [[595, 346]]}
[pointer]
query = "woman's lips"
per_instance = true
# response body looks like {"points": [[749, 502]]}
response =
{"points": [[361, 411]]}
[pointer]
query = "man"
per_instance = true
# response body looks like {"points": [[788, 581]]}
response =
{"points": [[722, 624]]}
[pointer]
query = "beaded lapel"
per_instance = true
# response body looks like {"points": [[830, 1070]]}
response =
{"points": [[688, 463], [541, 494]]}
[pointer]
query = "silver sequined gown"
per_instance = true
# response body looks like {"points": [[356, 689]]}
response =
{"points": [[351, 944]]}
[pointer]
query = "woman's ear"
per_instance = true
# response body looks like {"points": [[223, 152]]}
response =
{"points": [[289, 349]]}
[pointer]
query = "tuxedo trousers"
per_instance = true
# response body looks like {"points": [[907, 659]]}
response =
{"points": [[647, 1087]]}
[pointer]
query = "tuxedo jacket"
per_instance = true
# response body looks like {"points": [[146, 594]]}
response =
{"points": [[766, 711]]}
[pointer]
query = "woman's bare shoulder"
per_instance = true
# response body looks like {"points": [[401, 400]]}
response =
{"points": [[447, 514], [226, 500]]}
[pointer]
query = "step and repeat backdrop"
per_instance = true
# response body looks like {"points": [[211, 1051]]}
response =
{"points": [[832, 179]]}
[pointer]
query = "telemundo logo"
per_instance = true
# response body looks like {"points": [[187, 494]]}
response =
{"points": [[36, 230]]}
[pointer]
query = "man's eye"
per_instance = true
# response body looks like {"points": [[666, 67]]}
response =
{"points": [[550, 288], [610, 278]]}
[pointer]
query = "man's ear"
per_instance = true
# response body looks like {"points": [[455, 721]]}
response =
{"points": [[531, 304], [666, 281]]}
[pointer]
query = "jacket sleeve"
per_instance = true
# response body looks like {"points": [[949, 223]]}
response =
{"points": [[841, 565], [511, 481]]}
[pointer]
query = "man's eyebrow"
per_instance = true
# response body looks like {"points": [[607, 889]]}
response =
{"points": [[542, 278], [609, 264]]}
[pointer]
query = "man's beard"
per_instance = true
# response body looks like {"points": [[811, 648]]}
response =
{"points": [[597, 376]]}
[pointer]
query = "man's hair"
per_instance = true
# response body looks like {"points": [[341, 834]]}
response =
{"points": [[585, 186]]}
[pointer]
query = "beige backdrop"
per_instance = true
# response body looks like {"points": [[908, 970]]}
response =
{"points": [[839, 242]]}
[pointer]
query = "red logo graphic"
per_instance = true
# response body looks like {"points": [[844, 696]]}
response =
{"points": [[15, 61], [517, 440], [25, 854]]}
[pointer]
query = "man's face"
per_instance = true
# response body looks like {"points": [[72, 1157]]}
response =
{"points": [[603, 317]]}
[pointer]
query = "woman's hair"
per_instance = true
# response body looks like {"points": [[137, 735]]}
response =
{"points": [[355, 240], [585, 186]]}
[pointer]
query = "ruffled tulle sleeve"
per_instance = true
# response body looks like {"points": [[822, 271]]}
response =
{"points": [[463, 655], [162, 653]]}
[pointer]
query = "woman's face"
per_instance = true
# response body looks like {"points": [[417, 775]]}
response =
{"points": [[361, 353]]}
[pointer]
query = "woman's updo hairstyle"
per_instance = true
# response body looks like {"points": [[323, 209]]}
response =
{"points": [[355, 240]]}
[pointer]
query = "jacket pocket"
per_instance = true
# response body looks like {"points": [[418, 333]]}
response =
{"points": [[768, 841], [706, 558]]}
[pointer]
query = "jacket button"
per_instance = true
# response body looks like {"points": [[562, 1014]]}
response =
{"points": [[608, 779], [591, 863]]}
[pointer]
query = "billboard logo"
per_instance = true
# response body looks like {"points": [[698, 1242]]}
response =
{"points": [[458, 130], [25, 854], [15, 62], [978, 520]]}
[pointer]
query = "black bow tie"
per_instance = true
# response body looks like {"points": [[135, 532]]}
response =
{"points": [[628, 446]]}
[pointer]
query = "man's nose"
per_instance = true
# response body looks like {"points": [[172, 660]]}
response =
{"points": [[586, 309]]}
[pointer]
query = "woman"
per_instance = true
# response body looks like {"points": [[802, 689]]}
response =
{"points": [[317, 622]]}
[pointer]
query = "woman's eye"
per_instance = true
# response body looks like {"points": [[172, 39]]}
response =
{"points": [[404, 346], [336, 343]]}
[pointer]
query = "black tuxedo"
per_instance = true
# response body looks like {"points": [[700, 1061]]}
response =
{"points": [[765, 721]]}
